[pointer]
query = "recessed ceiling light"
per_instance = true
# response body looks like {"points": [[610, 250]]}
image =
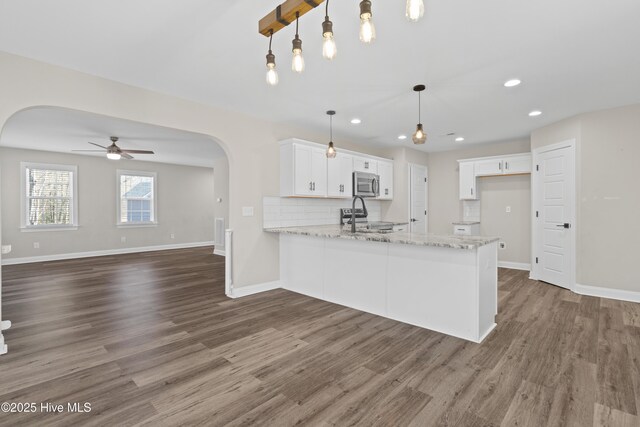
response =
{"points": [[512, 83], [459, 139], [535, 113], [402, 136], [356, 121]]}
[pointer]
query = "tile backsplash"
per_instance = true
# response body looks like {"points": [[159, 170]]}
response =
{"points": [[471, 210], [291, 212]]}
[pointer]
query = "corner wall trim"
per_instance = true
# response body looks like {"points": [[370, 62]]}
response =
{"points": [[619, 294], [514, 265], [90, 254], [244, 291], [220, 252]]}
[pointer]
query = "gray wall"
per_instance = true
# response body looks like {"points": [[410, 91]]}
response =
{"points": [[608, 198], [185, 206], [495, 194]]}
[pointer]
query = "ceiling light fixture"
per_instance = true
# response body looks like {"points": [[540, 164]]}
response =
{"points": [[401, 137], [297, 63], [459, 139], [535, 113], [329, 44], [331, 151], [415, 10], [356, 121], [272, 74], [114, 156], [512, 83], [419, 137], [367, 29]]}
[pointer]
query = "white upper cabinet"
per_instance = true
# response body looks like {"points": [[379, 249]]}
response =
{"points": [[339, 176], [488, 167], [385, 170], [467, 181], [364, 164], [303, 170], [517, 164]]}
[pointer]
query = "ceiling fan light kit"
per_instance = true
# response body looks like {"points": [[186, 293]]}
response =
{"points": [[116, 153]]}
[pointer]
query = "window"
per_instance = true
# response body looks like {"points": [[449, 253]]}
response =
{"points": [[136, 198], [48, 196]]}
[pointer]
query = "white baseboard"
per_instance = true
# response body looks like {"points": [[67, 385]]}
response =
{"points": [[514, 265], [58, 257], [220, 252], [244, 291], [619, 294]]}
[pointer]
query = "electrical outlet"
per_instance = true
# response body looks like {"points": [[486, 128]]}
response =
{"points": [[173, 236], [508, 209], [6, 249], [503, 245], [36, 245], [123, 239]]}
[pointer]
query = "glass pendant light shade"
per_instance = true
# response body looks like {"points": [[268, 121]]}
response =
{"points": [[367, 29], [419, 137], [272, 74], [331, 150], [415, 10], [329, 44], [297, 62]]}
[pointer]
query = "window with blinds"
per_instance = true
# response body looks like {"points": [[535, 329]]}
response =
{"points": [[136, 201], [49, 195]]}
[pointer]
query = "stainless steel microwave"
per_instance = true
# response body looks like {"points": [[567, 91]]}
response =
{"points": [[366, 184]]}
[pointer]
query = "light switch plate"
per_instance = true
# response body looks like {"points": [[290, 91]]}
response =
{"points": [[247, 211], [508, 209]]}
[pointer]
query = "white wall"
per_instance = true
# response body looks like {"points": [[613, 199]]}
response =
{"points": [[608, 198], [495, 194], [184, 194]]}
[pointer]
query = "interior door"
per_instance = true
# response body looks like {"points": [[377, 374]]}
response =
{"points": [[418, 199], [554, 216]]}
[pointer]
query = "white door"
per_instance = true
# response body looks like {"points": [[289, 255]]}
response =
{"points": [[418, 199], [554, 215]]}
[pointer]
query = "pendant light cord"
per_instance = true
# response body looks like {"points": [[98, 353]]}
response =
{"points": [[326, 13], [270, 38], [331, 128], [419, 107], [297, 16]]}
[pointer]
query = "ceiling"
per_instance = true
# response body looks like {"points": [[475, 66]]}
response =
{"points": [[572, 56], [63, 130]]}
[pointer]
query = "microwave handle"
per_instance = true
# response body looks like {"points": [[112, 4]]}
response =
{"points": [[374, 186]]}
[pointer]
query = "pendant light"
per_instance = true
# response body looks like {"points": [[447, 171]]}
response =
{"points": [[272, 74], [329, 44], [331, 151], [419, 137], [297, 62], [367, 29], [415, 10]]}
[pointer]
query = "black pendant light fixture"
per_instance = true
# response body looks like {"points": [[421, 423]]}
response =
{"points": [[331, 151], [272, 74], [419, 137], [367, 29], [297, 62], [329, 44]]}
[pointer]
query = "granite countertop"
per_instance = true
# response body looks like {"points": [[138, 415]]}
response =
{"points": [[466, 223], [344, 232]]}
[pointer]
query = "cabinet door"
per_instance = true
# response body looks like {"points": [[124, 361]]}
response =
{"points": [[385, 170], [346, 175], [339, 171], [489, 167], [467, 181], [303, 184], [517, 164], [318, 172], [363, 164]]}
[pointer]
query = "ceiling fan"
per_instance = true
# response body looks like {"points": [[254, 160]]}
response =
{"points": [[116, 153]]}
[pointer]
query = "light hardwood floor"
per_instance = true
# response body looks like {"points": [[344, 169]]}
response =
{"points": [[152, 339]]}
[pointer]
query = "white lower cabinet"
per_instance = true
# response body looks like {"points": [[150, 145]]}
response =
{"points": [[339, 176]]}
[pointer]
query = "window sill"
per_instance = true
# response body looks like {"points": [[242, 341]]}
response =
{"points": [[138, 225], [48, 228]]}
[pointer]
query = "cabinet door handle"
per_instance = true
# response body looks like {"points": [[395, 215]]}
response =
{"points": [[500, 165], [386, 191], [506, 165], [472, 191], [314, 186], [366, 165], [310, 186]]}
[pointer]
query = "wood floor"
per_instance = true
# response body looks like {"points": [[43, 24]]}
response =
{"points": [[151, 339]]}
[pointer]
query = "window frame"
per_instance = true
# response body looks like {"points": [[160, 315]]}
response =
{"points": [[24, 198], [154, 199]]}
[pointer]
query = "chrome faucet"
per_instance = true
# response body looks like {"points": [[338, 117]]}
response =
{"points": [[353, 212]]}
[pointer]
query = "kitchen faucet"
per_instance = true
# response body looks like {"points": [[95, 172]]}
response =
{"points": [[353, 212]]}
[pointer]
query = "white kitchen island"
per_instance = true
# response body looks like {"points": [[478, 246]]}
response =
{"points": [[443, 283]]}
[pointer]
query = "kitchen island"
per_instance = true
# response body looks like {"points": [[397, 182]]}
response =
{"points": [[443, 283]]}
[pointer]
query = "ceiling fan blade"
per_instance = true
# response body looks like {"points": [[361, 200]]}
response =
{"points": [[98, 145], [126, 156], [137, 151], [93, 151]]}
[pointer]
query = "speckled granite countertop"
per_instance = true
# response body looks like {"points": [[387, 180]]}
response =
{"points": [[344, 232]]}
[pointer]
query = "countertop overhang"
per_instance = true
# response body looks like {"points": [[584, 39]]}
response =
{"points": [[403, 238]]}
